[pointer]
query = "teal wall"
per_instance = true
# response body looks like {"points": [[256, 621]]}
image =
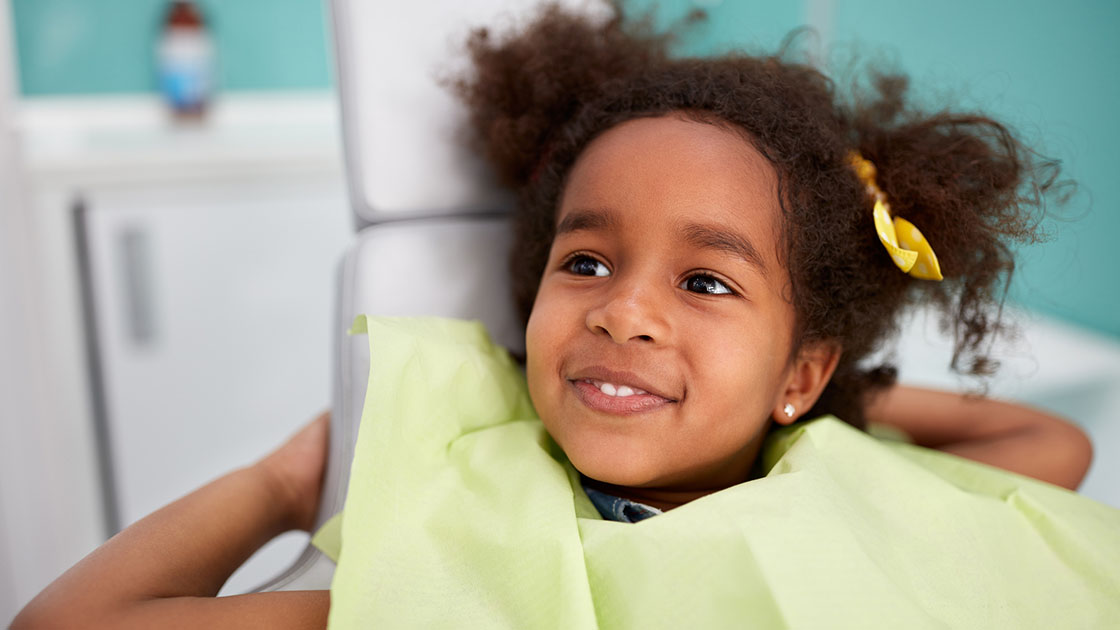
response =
{"points": [[106, 46], [1048, 68]]}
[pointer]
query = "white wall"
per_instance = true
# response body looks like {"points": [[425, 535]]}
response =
{"points": [[46, 467], [17, 398]]}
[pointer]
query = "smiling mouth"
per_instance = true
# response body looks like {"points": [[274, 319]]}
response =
{"points": [[616, 398], [619, 391]]}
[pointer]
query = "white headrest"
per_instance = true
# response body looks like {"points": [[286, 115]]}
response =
{"points": [[406, 153], [451, 267]]}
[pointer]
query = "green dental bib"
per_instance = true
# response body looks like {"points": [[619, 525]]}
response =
{"points": [[462, 513]]}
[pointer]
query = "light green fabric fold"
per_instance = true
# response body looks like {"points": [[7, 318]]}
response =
{"points": [[462, 513]]}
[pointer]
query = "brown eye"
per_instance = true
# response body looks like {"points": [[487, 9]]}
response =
{"points": [[701, 283], [587, 266]]}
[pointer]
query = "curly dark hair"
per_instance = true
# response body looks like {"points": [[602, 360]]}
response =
{"points": [[537, 97]]}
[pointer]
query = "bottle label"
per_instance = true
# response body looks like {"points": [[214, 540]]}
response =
{"points": [[186, 61]]}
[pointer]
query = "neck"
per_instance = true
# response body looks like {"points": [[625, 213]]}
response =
{"points": [[669, 496], [663, 499]]}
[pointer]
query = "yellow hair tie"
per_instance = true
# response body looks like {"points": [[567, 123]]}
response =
{"points": [[904, 242]]}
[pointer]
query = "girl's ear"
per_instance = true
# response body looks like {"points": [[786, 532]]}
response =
{"points": [[807, 378]]}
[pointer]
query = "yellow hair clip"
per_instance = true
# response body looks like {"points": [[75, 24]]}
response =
{"points": [[903, 241]]}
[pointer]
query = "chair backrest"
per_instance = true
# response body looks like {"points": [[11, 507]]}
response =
{"points": [[433, 236]]}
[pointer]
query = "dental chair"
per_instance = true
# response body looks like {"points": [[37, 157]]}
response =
{"points": [[432, 230]]}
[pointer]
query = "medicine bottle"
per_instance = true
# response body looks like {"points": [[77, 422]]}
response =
{"points": [[185, 60]]}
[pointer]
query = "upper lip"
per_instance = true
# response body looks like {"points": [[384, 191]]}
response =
{"points": [[619, 377]]}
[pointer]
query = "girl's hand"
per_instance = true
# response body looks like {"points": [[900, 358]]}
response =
{"points": [[296, 469], [1011, 436]]}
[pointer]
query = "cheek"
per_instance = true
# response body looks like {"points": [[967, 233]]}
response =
{"points": [[534, 377], [550, 321], [748, 368], [539, 333], [740, 391], [543, 334]]}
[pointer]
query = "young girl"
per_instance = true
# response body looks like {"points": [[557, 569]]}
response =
{"points": [[701, 256]]}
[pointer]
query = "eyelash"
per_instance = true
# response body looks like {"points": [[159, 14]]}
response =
{"points": [[709, 276], [570, 261]]}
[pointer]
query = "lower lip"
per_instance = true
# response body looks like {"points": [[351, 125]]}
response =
{"points": [[619, 405]]}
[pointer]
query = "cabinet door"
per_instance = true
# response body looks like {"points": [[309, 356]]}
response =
{"points": [[213, 310]]}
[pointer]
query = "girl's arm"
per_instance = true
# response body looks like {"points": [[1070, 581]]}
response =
{"points": [[1013, 437], [165, 570]]}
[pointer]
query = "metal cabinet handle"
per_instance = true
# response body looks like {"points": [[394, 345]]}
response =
{"points": [[134, 247]]}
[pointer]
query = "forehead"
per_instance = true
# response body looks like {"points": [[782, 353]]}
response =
{"points": [[679, 171]]}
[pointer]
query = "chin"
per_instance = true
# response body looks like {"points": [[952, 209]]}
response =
{"points": [[605, 454], [615, 469]]}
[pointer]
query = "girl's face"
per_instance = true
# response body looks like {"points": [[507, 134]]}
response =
{"points": [[659, 343]]}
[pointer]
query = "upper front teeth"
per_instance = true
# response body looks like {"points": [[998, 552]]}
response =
{"points": [[619, 390]]}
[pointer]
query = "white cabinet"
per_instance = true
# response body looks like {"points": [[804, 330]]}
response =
{"points": [[210, 276], [212, 308]]}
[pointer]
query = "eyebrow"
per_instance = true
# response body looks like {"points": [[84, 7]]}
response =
{"points": [[709, 237], [591, 220], [697, 234]]}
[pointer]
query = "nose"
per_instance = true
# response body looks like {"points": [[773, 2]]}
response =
{"points": [[630, 310]]}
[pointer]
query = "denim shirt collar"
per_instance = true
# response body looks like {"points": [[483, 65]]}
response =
{"points": [[614, 508]]}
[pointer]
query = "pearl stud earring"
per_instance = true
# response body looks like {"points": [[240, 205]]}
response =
{"points": [[788, 410]]}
